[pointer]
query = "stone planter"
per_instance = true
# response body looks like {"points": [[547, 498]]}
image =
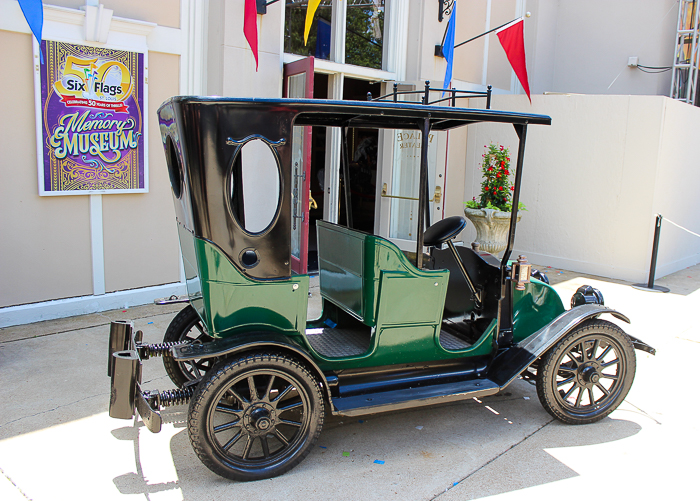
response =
{"points": [[491, 228]]}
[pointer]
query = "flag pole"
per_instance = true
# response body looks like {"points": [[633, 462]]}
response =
{"points": [[438, 48]]}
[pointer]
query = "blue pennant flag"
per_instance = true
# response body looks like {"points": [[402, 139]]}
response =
{"points": [[448, 48], [323, 39], [33, 12]]}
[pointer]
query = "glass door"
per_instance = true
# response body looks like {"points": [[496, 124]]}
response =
{"points": [[402, 190], [299, 83]]}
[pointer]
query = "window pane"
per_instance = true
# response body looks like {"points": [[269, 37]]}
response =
{"points": [[365, 33], [319, 43]]}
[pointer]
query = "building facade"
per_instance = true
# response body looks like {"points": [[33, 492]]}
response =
{"points": [[605, 167]]}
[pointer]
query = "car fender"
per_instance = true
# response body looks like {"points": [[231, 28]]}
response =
{"points": [[511, 362], [252, 341]]}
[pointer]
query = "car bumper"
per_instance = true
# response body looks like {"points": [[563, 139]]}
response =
{"points": [[126, 396]]}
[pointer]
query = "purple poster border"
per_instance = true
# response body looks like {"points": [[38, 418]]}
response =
{"points": [[92, 135]]}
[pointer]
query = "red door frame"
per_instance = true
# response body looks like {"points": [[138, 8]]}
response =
{"points": [[305, 65]]}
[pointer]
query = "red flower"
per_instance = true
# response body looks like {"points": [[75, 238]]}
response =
{"points": [[508, 159], [502, 163], [512, 188], [498, 175], [501, 148], [494, 191], [490, 169], [507, 172], [500, 188], [486, 188]]}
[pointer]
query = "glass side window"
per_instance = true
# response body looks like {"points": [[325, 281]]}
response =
{"points": [[364, 33], [255, 186], [319, 42], [405, 181], [172, 159]]}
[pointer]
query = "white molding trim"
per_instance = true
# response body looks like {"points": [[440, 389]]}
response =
{"points": [[61, 308], [588, 268], [68, 24], [605, 270], [349, 70]]}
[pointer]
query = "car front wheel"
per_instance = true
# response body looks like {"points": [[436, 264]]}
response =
{"points": [[586, 375]]}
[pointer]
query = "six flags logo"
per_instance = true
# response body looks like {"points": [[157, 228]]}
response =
{"points": [[86, 83]]}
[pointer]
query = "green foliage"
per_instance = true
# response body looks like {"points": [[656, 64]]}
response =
{"points": [[361, 46], [364, 31], [295, 18], [496, 186]]}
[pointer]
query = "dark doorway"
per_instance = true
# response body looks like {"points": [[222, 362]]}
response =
{"points": [[318, 161], [362, 156], [362, 153]]}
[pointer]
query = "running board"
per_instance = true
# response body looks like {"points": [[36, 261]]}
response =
{"points": [[371, 403]]}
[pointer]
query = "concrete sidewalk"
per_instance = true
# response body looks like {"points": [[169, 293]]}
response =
{"points": [[57, 442]]}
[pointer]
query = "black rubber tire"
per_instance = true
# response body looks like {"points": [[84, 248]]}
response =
{"points": [[224, 411], [580, 365], [186, 326]]}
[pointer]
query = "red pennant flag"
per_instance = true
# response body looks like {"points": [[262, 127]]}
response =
{"points": [[250, 28], [513, 42]]}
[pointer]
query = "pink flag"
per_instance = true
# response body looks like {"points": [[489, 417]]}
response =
{"points": [[513, 42], [250, 28]]}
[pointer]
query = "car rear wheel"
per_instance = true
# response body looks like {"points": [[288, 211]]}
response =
{"points": [[255, 417], [186, 327], [586, 375]]}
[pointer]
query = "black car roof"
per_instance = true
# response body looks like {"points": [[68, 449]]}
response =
{"points": [[373, 114]]}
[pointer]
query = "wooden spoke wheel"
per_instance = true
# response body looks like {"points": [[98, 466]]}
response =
{"points": [[255, 417], [186, 326], [586, 375]]}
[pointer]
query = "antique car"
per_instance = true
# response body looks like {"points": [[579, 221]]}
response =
{"points": [[398, 329]]}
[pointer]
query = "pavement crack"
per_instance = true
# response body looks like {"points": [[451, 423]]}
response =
{"points": [[80, 328], [455, 484], [102, 395], [15, 485], [642, 412], [52, 410]]}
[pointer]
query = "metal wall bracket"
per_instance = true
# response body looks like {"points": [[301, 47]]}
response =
{"points": [[445, 8], [261, 5]]}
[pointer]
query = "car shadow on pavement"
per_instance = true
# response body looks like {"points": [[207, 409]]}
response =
{"points": [[469, 449], [545, 459]]}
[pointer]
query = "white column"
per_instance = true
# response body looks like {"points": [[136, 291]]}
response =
{"points": [[487, 26], [193, 66], [331, 180], [396, 38], [338, 25], [515, 87], [97, 245]]}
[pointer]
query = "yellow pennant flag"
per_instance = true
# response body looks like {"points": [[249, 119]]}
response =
{"points": [[310, 11]]}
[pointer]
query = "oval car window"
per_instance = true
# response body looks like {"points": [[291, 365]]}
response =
{"points": [[173, 162], [255, 186]]}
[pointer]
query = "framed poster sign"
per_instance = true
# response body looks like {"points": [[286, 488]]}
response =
{"points": [[91, 103]]}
